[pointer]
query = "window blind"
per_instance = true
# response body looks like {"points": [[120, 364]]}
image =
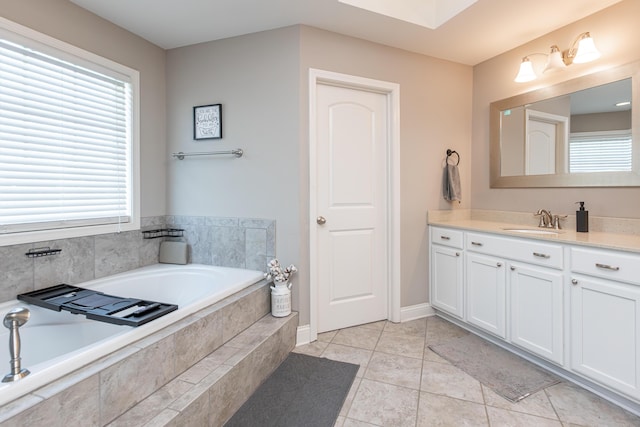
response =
{"points": [[600, 152], [65, 143]]}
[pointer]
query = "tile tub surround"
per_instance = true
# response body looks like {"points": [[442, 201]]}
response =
{"points": [[225, 242], [98, 393], [228, 242], [211, 391]]}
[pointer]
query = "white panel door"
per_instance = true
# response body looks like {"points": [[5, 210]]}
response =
{"points": [[352, 185]]}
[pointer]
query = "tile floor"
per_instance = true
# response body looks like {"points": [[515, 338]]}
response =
{"points": [[401, 382]]}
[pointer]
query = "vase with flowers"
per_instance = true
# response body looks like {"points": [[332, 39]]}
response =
{"points": [[281, 291]]}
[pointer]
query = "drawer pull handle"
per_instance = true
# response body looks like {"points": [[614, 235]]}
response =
{"points": [[574, 281], [476, 243], [445, 237], [607, 267], [499, 264], [457, 253], [539, 255]]}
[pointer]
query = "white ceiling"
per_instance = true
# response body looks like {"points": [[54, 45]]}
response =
{"points": [[479, 32]]}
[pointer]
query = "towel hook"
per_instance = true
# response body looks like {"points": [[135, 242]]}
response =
{"points": [[450, 152]]}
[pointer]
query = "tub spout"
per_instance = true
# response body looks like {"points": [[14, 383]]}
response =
{"points": [[12, 321]]}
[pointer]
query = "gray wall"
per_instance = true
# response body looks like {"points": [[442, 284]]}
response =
{"points": [[262, 81], [255, 78]]}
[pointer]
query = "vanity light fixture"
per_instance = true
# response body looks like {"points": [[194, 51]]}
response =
{"points": [[582, 50]]}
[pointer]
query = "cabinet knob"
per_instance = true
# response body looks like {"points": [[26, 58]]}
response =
{"points": [[457, 253], [512, 268], [321, 220], [498, 264], [574, 281]]}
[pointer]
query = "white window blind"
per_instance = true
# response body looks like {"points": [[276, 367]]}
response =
{"points": [[600, 152], [65, 143]]}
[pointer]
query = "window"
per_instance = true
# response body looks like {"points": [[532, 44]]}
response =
{"points": [[607, 151], [68, 140]]}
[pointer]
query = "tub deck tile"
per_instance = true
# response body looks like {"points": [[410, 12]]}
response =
{"points": [[126, 383], [149, 408]]}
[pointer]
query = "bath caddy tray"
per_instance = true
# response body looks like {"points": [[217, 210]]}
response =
{"points": [[97, 305]]}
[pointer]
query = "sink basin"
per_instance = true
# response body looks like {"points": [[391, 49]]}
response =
{"points": [[533, 231]]}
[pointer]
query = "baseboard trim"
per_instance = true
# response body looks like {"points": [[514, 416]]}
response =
{"points": [[412, 312], [303, 335], [418, 311]]}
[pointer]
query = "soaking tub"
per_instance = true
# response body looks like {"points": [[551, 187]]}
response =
{"points": [[57, 343]]}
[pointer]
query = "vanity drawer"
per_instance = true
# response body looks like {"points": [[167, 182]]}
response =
{"points": [[530, 251], [447, 237], [621, 266]]}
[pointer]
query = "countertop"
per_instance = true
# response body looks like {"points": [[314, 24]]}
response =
{"points": [[624, 241]]}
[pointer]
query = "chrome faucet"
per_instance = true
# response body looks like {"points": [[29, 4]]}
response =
{"points": [[546, 219], [12, 321], [549, 221]]}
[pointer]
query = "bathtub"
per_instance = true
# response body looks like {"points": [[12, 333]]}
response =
{"points": [[57, 343]]}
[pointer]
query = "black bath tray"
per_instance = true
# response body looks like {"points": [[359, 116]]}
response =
{"points": [[97, 305]]}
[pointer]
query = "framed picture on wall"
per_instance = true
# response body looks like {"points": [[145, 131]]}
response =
{"points": [[207, 122]]}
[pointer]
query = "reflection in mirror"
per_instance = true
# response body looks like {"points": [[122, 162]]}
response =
{"points": [[578, 133]]}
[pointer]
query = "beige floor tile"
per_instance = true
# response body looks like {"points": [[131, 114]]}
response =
{"points": [[384, 404], [359, 336], [575, 405], [432, 356], [343, 353], [537, 404], [312, 349], [350, 422], [327, 336], [379, 326], [437, 410], [349, 399], [450, 381], [339, 422], [394, 369], [503, 418], [413, 327], [440, 330], [404, 345]]}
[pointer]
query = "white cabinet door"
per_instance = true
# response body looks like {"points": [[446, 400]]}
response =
{"points": [[447, 280], [536, 310], [485, 290], [605, 332]]}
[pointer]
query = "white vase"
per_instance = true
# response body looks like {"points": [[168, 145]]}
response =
{"points": [[280, 299]]}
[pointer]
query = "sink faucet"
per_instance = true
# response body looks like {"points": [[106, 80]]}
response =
{"points": [[549, 221], [12, 321], [546, 219]]}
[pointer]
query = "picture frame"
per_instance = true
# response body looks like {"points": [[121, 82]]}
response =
{"points": [[207, 122]]}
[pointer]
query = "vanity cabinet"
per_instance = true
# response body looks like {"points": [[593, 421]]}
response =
{"points": [[536, 310], [605, 318], [514, 291], [447, 269], [486, 293], [574, 306]]}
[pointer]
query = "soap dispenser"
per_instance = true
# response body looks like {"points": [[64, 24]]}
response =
{"points": [[582, 219]]}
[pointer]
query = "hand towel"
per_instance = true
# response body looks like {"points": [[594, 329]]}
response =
{"points": [[451, 183]]}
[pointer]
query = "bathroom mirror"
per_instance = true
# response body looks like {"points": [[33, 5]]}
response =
{"points": [[569, 135]]}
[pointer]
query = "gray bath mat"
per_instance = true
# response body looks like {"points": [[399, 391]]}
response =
{"points": [[505, 373], [304, 391]]}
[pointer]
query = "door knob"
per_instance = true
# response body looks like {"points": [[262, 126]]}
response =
{"points": [[321, 220]]}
